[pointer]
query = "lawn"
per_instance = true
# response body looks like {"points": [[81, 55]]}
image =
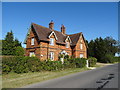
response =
{"points": [[13, 80]]}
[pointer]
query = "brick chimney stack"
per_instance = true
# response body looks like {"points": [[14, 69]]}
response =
{"points": [[51, 25], [63, 29]]}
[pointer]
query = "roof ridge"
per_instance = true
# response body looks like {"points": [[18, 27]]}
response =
{"points": [[75, 33], [47, 28]]}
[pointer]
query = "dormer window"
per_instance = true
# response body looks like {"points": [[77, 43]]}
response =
{"points": [[67, 44], [81, 46], [52, 41], [32, 41]]}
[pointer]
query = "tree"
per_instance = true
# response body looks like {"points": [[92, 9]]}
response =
{"points": [[91, 49], [8, 44], [101, 48], [17, 43]]}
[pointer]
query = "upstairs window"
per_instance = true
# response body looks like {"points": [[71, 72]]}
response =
{"points": [[81, 46], [51, 41], [67, 44], [32, 41]]}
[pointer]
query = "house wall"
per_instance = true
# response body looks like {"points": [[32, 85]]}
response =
{"points": [[78, 50], [32, 48]]}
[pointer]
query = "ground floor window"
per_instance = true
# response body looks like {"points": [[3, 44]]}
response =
{"points": [[32, 54], [51, 56], [81, 55]]}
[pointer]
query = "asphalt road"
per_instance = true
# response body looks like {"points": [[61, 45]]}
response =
{"points": [[87, 79]]}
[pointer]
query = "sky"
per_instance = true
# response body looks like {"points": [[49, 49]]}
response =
{"points": [[93, 19]]}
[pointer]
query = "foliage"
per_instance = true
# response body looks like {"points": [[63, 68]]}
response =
{"points": [[21, 64], [92, 61], [66, 56], [116, 59], [99, 47], [9, 44], [19, 51], [77, 62]]}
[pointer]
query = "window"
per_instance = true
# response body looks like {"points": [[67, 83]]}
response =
{"points": [[81, 46], [32, 41], [81, 55], [32, 54], [51, 41], [67, 44], [51, 56]]}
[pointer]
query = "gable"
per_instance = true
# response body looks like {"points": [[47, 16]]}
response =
{"points": [[53, 34], [68, 39], [82, 40]]}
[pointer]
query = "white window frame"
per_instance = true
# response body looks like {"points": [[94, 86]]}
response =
{"points": [[81, 55], [67, 44], [32, 41], [81, 46], [52, 41], [32, 54], [51, 56]]}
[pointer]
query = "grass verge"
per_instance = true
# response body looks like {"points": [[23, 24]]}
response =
{"points": [[13, 80]]}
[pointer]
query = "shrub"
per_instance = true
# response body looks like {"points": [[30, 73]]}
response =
{"points": [[108, 58], [52, 65], [92, 61], [20, 64], [77, 62], [80, 62], [19, 51], [116, 59], [66, 56]]}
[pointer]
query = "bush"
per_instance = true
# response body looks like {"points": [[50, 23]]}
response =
{"points": [[92, 61], [108, 58], [19, 51], [66, 56], [77, 62], [116, 59], [21, 64], [80, 62], [52, 65]]}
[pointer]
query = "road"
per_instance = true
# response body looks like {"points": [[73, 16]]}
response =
{"points": [[87, 79]]}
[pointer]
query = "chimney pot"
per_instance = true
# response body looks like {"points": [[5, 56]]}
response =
{"points": [[63, 29], [51, 25]]}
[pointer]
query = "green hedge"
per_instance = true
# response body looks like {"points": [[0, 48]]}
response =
{"points": [[20, 64], [92, 61], [77, 62]]}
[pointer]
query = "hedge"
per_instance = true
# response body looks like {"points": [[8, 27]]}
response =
{"points": [[92, 61], [21, 64]]}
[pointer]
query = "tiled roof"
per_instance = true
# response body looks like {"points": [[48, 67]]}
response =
{"points": [[44, 32]]}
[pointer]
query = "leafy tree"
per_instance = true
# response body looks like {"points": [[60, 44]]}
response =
{"points": [[99, 47], [91, 48]]}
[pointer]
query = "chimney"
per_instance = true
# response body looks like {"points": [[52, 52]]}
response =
{"points": [[63, 29], [51, 25]]}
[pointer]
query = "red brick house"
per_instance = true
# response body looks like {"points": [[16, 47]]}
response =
{"points": [[47, 43]]}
